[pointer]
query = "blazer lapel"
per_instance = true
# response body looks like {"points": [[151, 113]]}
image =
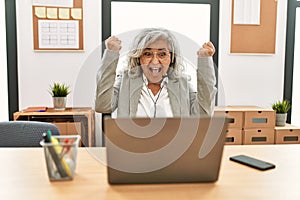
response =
{"points": [[135, 87], [173, 91]]}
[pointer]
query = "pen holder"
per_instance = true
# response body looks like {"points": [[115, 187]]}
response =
{"points": [[60, 156]]}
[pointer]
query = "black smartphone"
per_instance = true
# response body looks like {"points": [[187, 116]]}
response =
{"points": [[252, 162]]}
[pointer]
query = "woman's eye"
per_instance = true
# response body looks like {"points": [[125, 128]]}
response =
{"points": [[147, 54], [162, 54]]}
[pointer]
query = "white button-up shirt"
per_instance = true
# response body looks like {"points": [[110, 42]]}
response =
{"points": [[154, 106]]}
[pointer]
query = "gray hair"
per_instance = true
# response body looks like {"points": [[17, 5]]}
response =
{"points": [[145, 38]]}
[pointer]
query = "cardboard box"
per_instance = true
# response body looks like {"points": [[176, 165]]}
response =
{"points": [[259, 118], [235, 116], [69, 128], [258, 136], [234, 137], [287, 134], [62, 126]]}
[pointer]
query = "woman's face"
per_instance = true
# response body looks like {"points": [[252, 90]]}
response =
{"points": [[155, 61]]}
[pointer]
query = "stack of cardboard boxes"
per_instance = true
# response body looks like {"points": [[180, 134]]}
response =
{"points": [[256, 125], [248, 124], [235, 125], [259, 124]]}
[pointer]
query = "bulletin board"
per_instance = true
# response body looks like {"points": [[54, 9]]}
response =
{"points": [[256, 39], [56, 25]]}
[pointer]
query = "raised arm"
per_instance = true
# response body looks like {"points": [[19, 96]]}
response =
{"points": [[206, 79], [106, 75]]}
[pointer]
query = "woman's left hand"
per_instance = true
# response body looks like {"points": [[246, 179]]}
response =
{"points": [[207, 49]]}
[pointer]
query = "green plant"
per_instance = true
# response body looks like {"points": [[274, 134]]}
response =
{"points": [[281, 106], [59, 90]]}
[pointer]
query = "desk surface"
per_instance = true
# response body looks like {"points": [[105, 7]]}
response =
{"points": [[23, 176], [50, 111]]}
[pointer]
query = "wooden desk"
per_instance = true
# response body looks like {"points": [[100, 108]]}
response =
{"points": [[79, 120], [24, 176]]}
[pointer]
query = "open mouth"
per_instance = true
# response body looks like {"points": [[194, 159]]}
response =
{"points": [[155, 70]]}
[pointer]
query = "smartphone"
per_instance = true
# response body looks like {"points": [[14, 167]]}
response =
{"points": [[252, 162]]}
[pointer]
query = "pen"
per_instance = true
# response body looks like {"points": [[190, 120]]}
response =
{"points": [[58, 151], [60, 168], [66, 148]]}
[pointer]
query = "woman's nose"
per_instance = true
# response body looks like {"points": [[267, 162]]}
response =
{"points": [[155, 59]]}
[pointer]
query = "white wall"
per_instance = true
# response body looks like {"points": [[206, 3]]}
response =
{"points": [[251, 79], [37, 70], [3, 66], [247, 80]]}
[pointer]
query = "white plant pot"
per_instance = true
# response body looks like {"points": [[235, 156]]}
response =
{"points": [[59, 103], [281, 119]]}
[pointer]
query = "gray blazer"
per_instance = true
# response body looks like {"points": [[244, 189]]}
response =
{"points": [[123, 91]]}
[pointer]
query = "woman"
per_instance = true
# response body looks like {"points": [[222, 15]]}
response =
{"points": [[153, 85]]}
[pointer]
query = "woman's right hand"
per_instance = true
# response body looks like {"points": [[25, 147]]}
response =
{"points": [[113, 43]]}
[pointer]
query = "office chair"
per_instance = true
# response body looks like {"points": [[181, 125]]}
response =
{"points": [[24, 133]]}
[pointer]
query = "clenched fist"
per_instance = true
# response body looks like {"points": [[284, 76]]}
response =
{"points": [[113, 43], [207, 49]]}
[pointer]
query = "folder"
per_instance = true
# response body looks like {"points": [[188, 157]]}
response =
{"points": [[36, 109]]}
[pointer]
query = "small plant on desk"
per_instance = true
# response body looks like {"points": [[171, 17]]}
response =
{"points": [[59, 90], [59, 93]]}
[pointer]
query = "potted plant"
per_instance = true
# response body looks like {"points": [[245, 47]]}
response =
{"points": [[59, 93], [281, 108]]}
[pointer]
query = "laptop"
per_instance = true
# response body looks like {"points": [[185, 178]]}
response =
{"points": [[164, 150]]}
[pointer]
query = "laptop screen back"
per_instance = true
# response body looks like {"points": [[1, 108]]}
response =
{"points": [[164, 150]]}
